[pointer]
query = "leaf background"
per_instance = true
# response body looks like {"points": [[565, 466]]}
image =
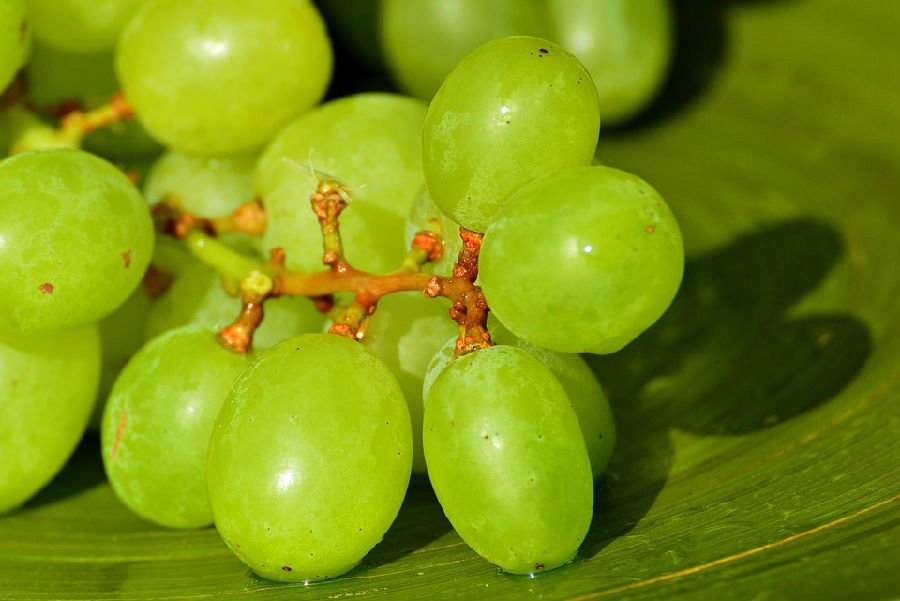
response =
{"points": [[759, 420]]}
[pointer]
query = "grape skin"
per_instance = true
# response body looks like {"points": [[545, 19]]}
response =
{"points": [[158, 422], [496, 123], [47, 388], [307, 473], [218, 77], [507, 459], [582, 261], [79, 250], [80, 25]]}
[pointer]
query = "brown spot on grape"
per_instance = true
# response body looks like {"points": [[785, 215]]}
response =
{"points": [[538, 566], [126, 258], [46, 288], [23, 28], [123, 421], [288, 568], [649, 229], [543, 50]]}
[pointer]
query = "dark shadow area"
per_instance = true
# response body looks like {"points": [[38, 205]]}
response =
{"points": [[725, 359], [84, 470], [419, 522]]}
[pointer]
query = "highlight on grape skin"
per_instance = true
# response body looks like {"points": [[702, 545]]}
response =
{"points": [[157, 200]]}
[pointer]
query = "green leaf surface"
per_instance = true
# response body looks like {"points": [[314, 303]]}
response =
{"points": [[759, 420]]}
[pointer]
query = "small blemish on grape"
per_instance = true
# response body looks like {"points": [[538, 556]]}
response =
{"points": [[46, 288], [649, 229], [543, 50], [288, 568], [126, 258]]}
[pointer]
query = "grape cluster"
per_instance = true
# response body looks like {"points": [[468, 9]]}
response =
{"points": [[140, 306]]}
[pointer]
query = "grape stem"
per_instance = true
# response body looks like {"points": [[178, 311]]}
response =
{"points": [[256, 282], [169, 218]]}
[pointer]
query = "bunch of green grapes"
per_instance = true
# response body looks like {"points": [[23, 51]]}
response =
{"points": [[300, 450]]}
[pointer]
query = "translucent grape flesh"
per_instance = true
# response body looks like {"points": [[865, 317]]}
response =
{"points": [[582, 261], [507, 460], [310, 458], [48, 384], [158, 422]]}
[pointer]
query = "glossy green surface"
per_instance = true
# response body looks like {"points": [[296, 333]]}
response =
{"points": [[76, 235], [80, 25], [47, 388], [582, 261], [507, 460], [405, 332], [214, 77], [495, 125], [370, 142], [197, 297], [158, 422], [307, 473], [15, 39], [53, 76], [757, 456]]}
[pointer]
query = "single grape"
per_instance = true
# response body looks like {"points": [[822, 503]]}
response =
{"points": [[48, 384], [425, 216], [158, 422], [75, 239], [624, 45], [15, 39], [372, 143], [595, 417], [121, 335], [423, 41], [218, 77], [80, 25], [582, 261], [405, 332], [309, 459], [196, 297], [511, 111], [507, 460]]}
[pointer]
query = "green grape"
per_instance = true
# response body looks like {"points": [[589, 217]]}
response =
{"points": [[507, 460], [80, 25], [75, 239], [513, 110], [47, 388], [309, 459], [197, 297], [405, 332], [158, 422], [423, 41], [15, 39], [372, 143], [624, 45], [219, 77], [582, 261], [55, 77], [598, 426], [595, 417], [425, 216], [121, 335]]}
